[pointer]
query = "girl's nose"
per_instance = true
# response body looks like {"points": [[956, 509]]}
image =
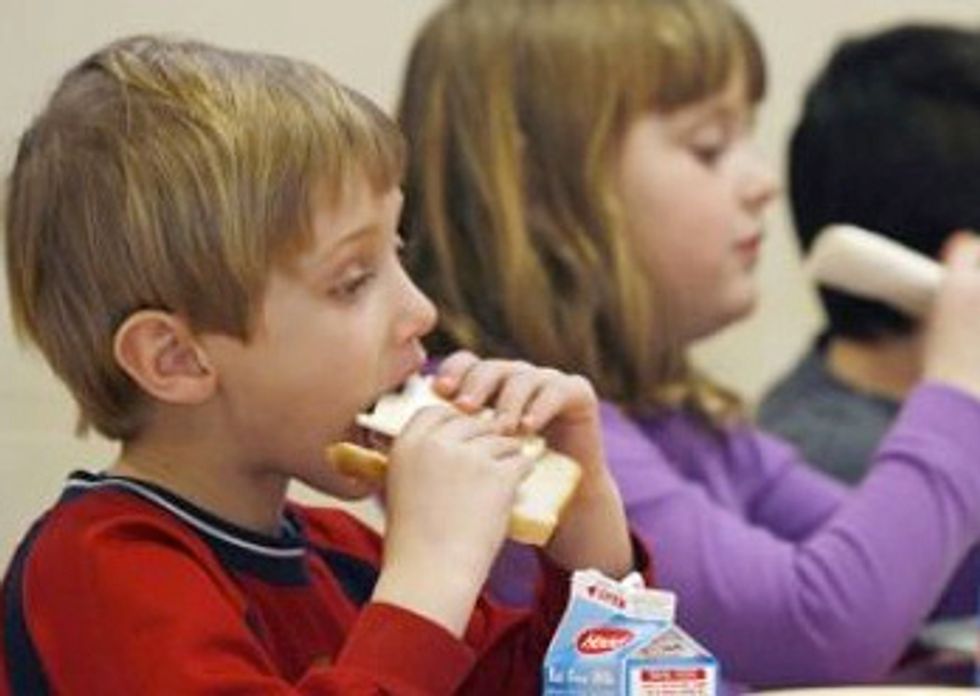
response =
{"points": [[759, 184]]}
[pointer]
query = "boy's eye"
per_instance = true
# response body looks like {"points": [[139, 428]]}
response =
{"points": [[397, 247], [352, 285], [359, 276]]}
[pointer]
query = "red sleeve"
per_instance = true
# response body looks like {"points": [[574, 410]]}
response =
{"points": [[505, 646], [4, 679], [138, 604], [135, 606]]}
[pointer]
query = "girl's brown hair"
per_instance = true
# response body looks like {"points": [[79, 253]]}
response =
{"points": [[171, 175], [514, 111]]}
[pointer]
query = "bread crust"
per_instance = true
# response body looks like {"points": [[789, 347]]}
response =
{"points": [[525, 527], [360, 462]]}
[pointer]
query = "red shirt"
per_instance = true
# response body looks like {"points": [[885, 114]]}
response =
{"points": [[123, 588]]}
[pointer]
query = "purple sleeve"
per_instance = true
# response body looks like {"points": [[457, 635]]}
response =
{"points": [[838, 596], [790, 500]]}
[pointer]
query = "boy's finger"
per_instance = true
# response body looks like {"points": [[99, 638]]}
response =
{"points": [[516, 468], [463, 428], [481, 382], [501, 446], [964, 252], [954, 238], [452, 370], [550, 400], [515, 394], [429, 418]]}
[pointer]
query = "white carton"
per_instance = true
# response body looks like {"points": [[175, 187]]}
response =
{"points": [[620, 639]]}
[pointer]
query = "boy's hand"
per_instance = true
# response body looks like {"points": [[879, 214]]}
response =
{"points": [[954, 326], [526, 399], [450, 487]]}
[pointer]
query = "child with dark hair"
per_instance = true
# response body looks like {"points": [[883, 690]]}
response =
{"points": [[889, 140]]}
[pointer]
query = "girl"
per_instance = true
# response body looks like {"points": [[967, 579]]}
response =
{"points": [[583, 193]]}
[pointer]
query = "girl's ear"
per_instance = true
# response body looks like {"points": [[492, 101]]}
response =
{"points": [[159, 352]]}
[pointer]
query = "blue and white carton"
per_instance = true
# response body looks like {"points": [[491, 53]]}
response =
{"points": [[620, 639]]}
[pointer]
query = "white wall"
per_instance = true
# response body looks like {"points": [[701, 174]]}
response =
{"points": [[364, 43]]}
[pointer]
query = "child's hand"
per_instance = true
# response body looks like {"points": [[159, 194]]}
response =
{"points": [[450, 487], [954, 328], [528, 399]]}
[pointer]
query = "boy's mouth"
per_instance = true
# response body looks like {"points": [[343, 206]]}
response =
{"points": [[379, 421], [369, 439], [366, 437]]}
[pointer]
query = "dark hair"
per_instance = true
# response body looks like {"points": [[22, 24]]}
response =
{"points": [[889, 140]]}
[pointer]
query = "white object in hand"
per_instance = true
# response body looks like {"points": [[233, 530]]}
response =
{"points": [[873, 267], [540, 498]]}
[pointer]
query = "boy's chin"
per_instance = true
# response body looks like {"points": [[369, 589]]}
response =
{"points": [[332, 483], [353, 489]]}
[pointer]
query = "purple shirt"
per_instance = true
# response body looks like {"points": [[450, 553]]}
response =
{"points": [[784, 574]]}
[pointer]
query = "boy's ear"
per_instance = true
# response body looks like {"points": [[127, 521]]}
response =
{"points": [[159, 352]]}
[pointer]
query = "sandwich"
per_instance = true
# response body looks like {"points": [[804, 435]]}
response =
{"points": [[541, 496]]}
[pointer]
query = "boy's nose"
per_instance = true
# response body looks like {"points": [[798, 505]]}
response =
{"points": [[419, 315]]}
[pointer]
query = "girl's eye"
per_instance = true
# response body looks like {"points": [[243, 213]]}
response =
{"points": [[709, 154]]}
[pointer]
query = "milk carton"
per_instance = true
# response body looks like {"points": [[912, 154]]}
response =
{"points": [[620, 639]]}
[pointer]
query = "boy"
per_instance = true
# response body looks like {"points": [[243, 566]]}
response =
{"points": [[889, 140], [202, 243]]}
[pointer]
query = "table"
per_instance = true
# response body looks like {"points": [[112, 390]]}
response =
{"points": [[877, 691]]}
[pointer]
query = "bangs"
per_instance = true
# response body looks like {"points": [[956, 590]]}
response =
{"points": [[697, 49], [333, 139], [363, 142]]}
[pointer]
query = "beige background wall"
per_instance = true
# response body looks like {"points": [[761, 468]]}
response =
{"points": [[364, 43]]}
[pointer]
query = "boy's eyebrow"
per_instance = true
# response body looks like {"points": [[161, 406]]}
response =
{"points": [[355, 235], [348, 238], [370, 227]]}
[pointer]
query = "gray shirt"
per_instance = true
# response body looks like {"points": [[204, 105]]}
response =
{"points": [[835, 426]]}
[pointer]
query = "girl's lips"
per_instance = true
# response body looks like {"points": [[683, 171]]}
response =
{"points": [[749, 247]]}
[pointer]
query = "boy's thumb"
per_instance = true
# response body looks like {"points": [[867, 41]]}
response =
{"points": [[962, 250]]}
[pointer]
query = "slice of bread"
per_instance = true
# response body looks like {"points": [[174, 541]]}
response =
{"points": [[541, 496]]}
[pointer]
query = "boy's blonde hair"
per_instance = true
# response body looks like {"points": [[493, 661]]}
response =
{"points": [[172, 175], [514, 111]]}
